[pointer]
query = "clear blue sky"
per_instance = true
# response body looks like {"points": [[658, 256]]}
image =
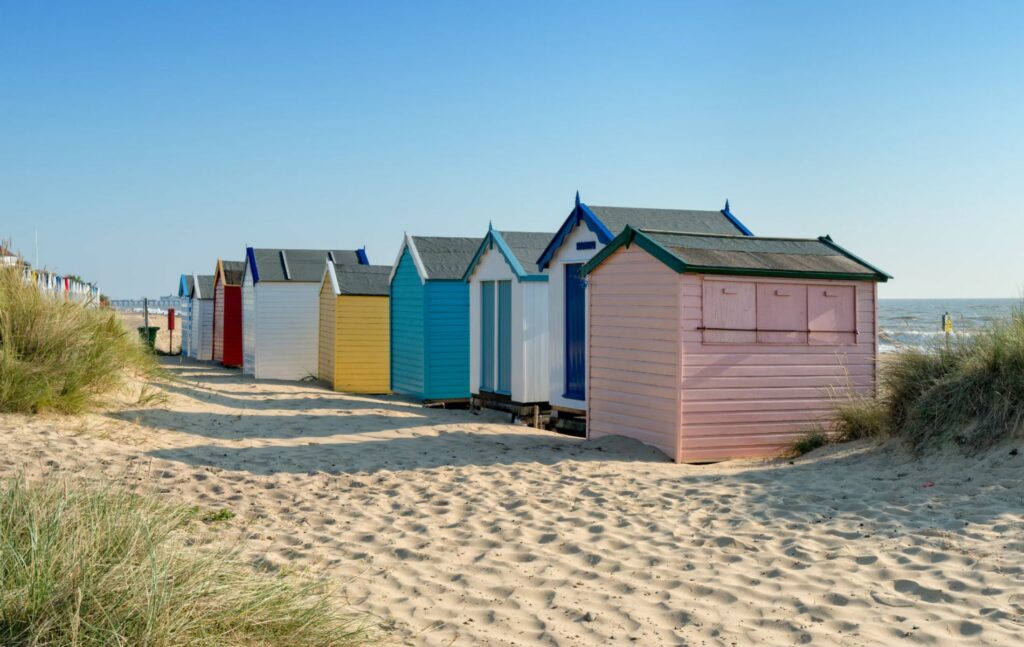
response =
{"points": [[144, 139]]}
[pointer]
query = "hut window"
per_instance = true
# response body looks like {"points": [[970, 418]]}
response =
{"points": [[730, 312]]}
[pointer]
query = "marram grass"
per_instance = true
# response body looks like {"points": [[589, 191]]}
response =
{"points": [[57, 355], [967, 392], [83, 565]]}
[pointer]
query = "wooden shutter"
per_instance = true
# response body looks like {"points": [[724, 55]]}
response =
{"points": [[832, 314], [730, 312], [781, 313]]}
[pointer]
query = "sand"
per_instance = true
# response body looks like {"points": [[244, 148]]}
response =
{"points": [[458, 529], [165, 341]]}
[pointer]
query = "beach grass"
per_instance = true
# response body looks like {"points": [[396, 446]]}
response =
{"points": [[87, 565], [967, 391], [59, 355]]}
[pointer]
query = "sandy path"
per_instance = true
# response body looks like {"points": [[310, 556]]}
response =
{"points": [[462, 530]]}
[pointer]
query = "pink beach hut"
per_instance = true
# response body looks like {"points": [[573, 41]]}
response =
{"points": [[712, 347]]}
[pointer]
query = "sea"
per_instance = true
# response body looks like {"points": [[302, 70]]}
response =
{"points": [[918, 322]]}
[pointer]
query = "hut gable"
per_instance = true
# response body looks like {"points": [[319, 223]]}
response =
{"points": [[185, 285], [202, 286], [229, 273], [297, 265], [609, 222], [437, 258], [518, 248]]}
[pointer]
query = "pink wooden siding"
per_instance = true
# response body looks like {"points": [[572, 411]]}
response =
{"points": [[634, 350], [754, 399]]}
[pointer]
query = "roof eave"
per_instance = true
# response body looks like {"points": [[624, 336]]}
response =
{"points": [[580, 213], [883, 276]]}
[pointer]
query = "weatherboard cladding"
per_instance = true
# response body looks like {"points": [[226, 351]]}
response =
{"points": [[298, 265], [430, 320], [445, 258], [408, 297]]}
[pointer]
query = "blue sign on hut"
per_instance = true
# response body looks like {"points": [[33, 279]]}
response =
{"points": [[430, 318], [583, 234], [185, 284]]}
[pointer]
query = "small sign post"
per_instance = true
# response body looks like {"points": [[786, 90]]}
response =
{"points": [[947, 327], [170, 331]]}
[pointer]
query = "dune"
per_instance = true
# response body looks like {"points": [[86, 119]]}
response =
{"points": [[461, 529]]}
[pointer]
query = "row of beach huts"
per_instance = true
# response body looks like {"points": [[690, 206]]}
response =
{"points": [[68, 287], [679, 328]]}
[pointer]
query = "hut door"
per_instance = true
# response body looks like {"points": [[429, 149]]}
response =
{"points": [[504, 336], [487, 335], [575, 333]]}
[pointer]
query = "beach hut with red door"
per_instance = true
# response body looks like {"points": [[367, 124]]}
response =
{"points": [[227, 312], [712, 346]]}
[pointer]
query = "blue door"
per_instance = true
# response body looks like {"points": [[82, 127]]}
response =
{"points": [[487, 335], [505, 337], [575, 333]]}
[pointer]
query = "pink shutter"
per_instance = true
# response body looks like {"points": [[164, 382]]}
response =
{"points": [[730, 312], [781, 313], [832, 314]]}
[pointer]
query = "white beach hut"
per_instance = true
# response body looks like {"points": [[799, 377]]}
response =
{"points": [[201, 328], [281, 309], [583, 234], [508, 322]]}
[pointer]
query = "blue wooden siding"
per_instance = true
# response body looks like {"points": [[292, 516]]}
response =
{"points": [[447, 334], [487, 336], [407, 335], [505, 337]]}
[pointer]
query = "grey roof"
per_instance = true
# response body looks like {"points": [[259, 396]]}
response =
{"points": [[704, 222], [762, 254], [233, 272], [366, 280], [445, 258], [205, 286], [527, 246], [304, 265]]}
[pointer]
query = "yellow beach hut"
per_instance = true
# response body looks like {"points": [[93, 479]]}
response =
{"points": [[354, 328]]}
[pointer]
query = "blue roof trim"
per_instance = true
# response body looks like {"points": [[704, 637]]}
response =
{"points": [[361, 254], [493, 238], [183, 286], [580, 213], [735, 220], [250, 258]]}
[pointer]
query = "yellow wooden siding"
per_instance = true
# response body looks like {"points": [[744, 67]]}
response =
{"points": [[362, 345], [325, 365]]}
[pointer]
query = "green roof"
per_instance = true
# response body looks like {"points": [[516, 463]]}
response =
{"points": [[745, 255]]}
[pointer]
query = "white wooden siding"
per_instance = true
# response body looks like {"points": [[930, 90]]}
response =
{"points": [[529, 329], [287, 319], [248, 323]]}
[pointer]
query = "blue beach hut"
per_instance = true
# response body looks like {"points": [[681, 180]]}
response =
{"points": [[430, 318]]}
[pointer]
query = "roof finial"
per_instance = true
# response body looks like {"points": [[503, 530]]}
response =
{"points": [[577, 198], [490, 225], [726, 204]]}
